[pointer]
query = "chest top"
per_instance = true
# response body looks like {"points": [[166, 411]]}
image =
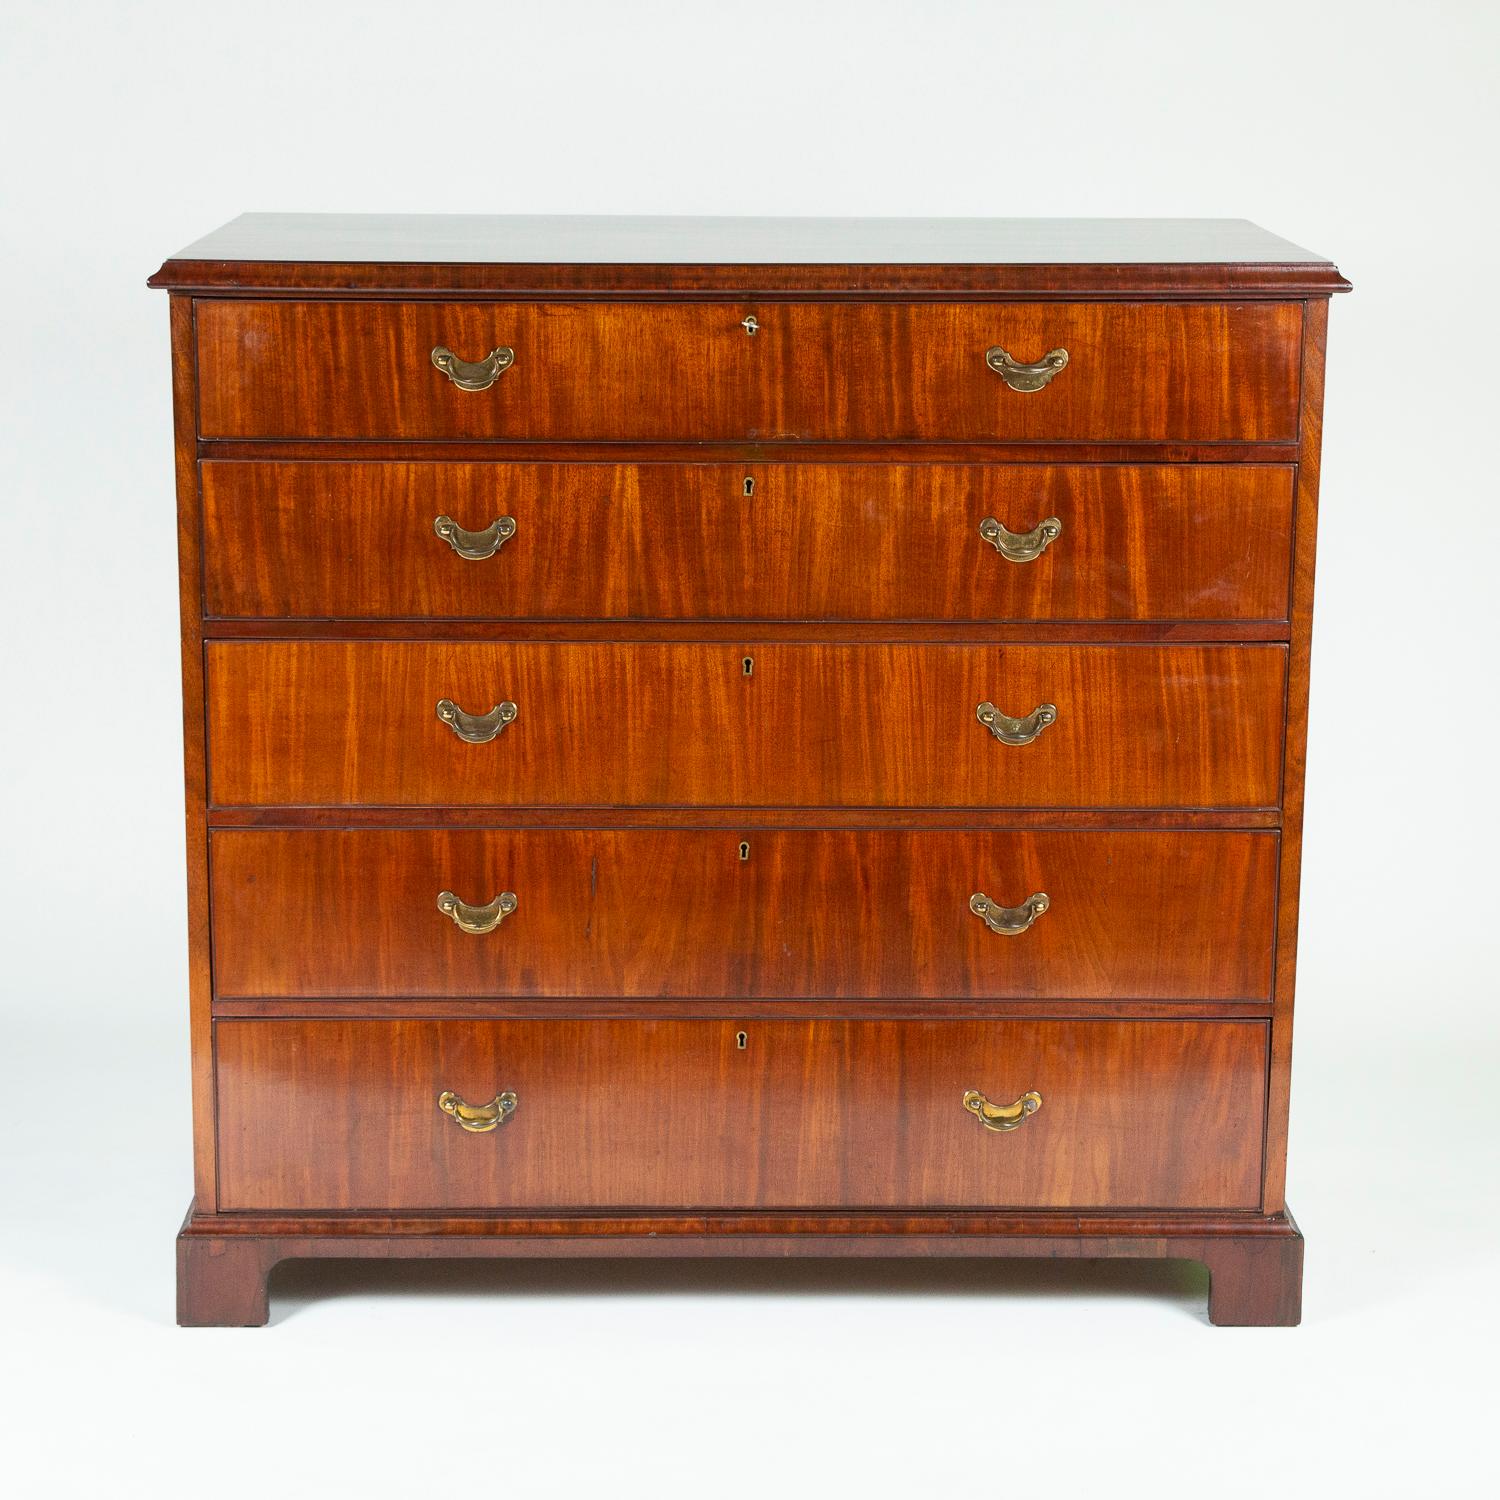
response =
{"points": [[841, 257]]}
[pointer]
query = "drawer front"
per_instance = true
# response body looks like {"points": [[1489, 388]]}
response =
{"points": [[647, 724], [685, 541], [674, 913], [674, 1114], [652, 371]]}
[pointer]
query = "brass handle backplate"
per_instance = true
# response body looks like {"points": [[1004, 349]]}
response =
{"points": [[476, 729], [1009, 920], [480, 375], [1002, 1117], [1022, 546], [1021, 377], [1011, 731], [477, 919], [478, 1119], [477, 545]]}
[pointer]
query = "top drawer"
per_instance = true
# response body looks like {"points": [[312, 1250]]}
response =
{"points": [[829, 371]]}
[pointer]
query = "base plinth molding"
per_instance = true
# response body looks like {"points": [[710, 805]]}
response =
{"points": [[224, 1261]]}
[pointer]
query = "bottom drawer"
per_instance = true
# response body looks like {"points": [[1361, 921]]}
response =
{"points": [[341, 1114]]}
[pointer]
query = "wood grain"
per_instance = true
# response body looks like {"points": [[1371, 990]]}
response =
{"points": [[937, 451], [343, 1114], [1278, 1109], [822, 725], [1151, 1005], [1254, 1263], [812, 542], [194, 743], [664, 913], [621, 371]]}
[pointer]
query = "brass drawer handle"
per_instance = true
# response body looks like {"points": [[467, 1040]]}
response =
{"points": [[479, 376], [478, 1119], [477, 919], [475, 545], [1021, 377], [1009, 920], [1002, 1116], [1020, 546], [1011, 731], [476, 729]]}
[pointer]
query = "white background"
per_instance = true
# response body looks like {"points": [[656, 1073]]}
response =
{"points": [[1367, 131]]}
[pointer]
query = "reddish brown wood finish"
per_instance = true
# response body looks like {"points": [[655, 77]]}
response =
{"points": [[674, 1114], [696, 1008], [812, 725], [1278, 1103], [744, 632], [758, 283], [812, 542], [194, 747], [975, 819], [867, 258], [668, 913], [657, 372], [816, 377], [1255, 1263], [221, 1282], [472, 450]]}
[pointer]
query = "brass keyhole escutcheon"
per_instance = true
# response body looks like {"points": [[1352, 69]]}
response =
{"points": [[749, 486], [747, 665], [750, 325], [742, 1040], [744, 850]]}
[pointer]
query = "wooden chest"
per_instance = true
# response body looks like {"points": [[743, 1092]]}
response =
{"points": [[744, 737]]}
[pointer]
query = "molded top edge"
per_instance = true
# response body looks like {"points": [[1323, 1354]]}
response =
{"points": [[368, 252]]}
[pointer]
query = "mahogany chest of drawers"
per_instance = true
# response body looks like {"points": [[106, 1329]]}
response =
{"points": [[744, 737]]}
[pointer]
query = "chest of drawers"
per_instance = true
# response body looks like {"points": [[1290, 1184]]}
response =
{"points": [[744, 737]]}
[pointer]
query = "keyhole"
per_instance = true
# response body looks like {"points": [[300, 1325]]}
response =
{"points": [[750, 325], [741, 1040], [744, 851], [749, 486], [748, 665]]}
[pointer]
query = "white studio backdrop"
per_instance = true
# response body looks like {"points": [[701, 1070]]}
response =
{"points": [[1367, 131]]}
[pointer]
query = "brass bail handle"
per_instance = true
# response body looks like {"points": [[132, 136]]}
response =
{"points": [[1009, 921], [479, 375], [476, 919], [1002, 1117], [475, 546], [1020, 731], [476, 729], [478, 1119], [1020, 546], [1022, 377]]}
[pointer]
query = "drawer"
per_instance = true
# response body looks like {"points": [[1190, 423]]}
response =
{"points": [[659, 725], [579, 371], [336, 1115], [649, 913], [686, 541]]}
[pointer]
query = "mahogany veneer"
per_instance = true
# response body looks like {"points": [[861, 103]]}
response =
{"points": [[825, 371], [686, 725], [338, 1115], [784, 914], [671, 541], [746, 612]]}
